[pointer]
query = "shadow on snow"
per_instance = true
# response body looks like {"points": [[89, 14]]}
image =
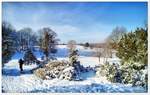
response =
{"points": [[15, 72], [91, 88]]}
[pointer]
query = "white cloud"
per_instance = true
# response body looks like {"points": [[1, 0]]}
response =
{"points": [[67, 24], [65, 29]]}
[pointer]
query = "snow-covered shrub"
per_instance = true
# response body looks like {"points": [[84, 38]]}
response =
{"points": [[73, 56], [124, 74], [111, 71], [102, 70], [134, 74], [61, 70], [68, 73], [29, 57]]}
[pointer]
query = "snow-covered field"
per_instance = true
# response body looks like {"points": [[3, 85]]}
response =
{"points": [[13, 81]]}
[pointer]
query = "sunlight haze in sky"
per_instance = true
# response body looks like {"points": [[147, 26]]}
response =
{"points": [[83, 22]]}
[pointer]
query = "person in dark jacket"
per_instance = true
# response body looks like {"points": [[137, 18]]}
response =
{"points": [[21, 64]]}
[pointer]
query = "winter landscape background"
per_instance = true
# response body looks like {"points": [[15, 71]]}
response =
{"points": [[13, 81], [74, 47]]}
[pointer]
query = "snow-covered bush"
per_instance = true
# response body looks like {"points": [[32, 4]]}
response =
{"points": [[124, 74], [63, 69], [60, 70], [111, 71], [134, 76], [68, 73], [102, 70], [73, 56]]}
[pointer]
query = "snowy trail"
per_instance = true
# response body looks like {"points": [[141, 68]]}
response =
{"points": [[13, 81]]}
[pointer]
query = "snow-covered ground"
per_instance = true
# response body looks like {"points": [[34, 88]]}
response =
{"points": [[13, 81]]}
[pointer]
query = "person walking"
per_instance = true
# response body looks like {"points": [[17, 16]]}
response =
{"points": [[21, 64]]}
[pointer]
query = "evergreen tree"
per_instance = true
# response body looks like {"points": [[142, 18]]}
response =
{"points": [[8, 42], [73, 56], [87, 44], [132, 50]]}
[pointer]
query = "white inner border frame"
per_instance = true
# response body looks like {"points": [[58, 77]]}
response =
{"points": [[75, 1]]}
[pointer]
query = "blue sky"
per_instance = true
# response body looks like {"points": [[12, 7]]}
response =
{"points": [[82, 21]]}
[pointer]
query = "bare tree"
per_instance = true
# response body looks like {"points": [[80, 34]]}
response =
{"points": [[48, 41], [107, 52], [25, 38], [71, 45], [112, 40], [98, 52], [116, 34]]}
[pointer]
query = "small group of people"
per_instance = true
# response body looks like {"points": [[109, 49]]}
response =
{"points": [[21, 62]]}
